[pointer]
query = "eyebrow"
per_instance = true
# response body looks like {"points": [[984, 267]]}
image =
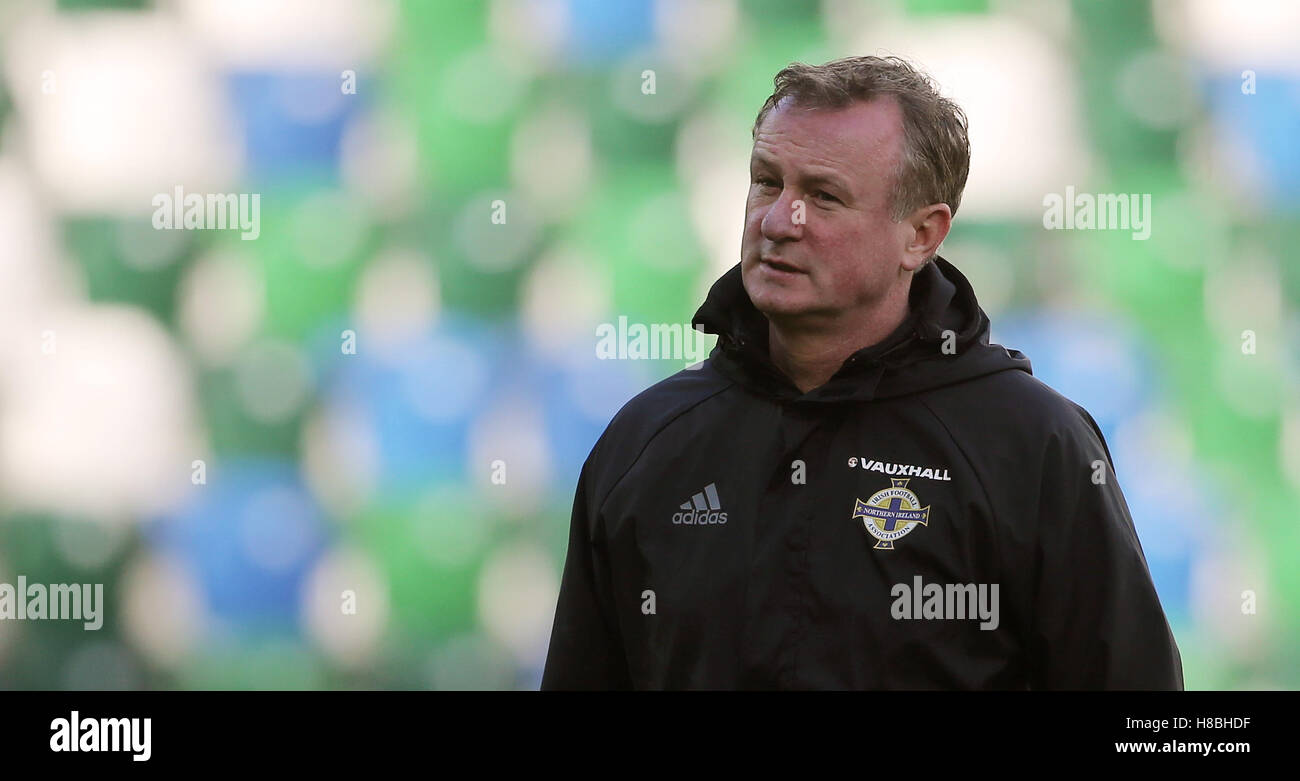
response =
{"points": [[809, 178]]}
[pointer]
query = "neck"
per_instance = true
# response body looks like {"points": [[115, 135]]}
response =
{"points": [[810, 353]]}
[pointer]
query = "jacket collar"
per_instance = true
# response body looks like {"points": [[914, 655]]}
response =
{"points": [[940, 300]]}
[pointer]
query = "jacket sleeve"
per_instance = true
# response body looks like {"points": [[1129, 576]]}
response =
{"points": [[585, 651], [1097, 620]]}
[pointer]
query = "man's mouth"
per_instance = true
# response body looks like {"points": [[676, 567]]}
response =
{"points": [[781, 265]]}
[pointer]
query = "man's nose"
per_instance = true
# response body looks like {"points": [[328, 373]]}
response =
{"points": [[783, 218]]}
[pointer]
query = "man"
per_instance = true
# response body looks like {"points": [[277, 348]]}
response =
{"points": [[856, 489]]}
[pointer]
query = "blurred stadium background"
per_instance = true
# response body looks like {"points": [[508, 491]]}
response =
{"points": [[129, 354]]}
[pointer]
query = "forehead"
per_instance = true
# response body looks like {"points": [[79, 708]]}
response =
{"points": [[861, 135]]}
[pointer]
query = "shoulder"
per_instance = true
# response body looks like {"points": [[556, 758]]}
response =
{"points": [[1029, 399], [647, 415], [1016, 408]]}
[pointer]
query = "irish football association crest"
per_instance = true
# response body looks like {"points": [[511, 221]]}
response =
{"points": [[891, 513]]}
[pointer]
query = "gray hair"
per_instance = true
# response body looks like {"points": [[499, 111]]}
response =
{"points": [[936, 150]]}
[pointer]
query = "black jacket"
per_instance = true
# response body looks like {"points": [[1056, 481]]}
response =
{"points": [[720, 532]]}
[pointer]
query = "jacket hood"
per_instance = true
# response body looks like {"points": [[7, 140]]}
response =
{"points": [[909, 360]]}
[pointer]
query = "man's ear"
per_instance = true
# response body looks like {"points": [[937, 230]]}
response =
{"points": [[930, 226]]}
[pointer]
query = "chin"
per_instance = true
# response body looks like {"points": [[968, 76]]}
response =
{"points": [[776, 301], [781, 308]]}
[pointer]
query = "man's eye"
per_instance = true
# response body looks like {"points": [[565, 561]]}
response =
{"points": [[763, 181], [825, 196]]}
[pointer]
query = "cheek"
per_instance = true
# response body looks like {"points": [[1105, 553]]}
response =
{"points": [[750, 217], [753, 232], [860, 256], [871, 241]]}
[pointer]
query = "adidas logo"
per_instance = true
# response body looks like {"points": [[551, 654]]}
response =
{"points": [[704, 507]]}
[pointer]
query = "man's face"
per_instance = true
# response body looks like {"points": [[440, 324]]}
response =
{"points": [[834, 170]]}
